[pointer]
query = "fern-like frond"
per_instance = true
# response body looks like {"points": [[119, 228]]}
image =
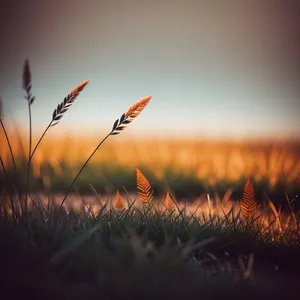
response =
{"points": [[130, 115], [248, 203], [169, 203], [119, 203], [145, 188], [68, 101]]}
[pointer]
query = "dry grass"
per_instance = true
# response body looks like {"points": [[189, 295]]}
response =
{"points": [[209, 161], [277, 224]]}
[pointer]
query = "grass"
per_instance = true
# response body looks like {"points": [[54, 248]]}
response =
{"points": [[134, 252], [141, 247], [188, 168]]}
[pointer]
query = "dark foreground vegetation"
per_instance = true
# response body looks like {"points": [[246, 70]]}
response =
{"points": [[141, 253]]}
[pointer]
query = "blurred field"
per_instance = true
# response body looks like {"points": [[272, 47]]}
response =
{"points": [[186, 168]]}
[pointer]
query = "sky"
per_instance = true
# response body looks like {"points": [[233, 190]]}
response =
{"points": [[215, 69]]}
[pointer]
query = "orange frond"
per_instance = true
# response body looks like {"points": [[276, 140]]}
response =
{"points": [[248, 203], [144, 186], [169, 202], [119, 203]]}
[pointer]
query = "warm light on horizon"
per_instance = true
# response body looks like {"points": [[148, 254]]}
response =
{"points": [[214, 70]]}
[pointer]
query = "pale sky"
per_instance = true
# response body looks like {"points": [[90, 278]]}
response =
{"points": [[214, 68]]}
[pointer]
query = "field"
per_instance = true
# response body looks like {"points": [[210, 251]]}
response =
{"points": [[173, 248], [132, 247], [186, 168], [146, 219]]}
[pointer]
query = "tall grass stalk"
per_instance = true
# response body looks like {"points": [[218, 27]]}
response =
{"points": [[11, 197], [56, 116], [9, 145], [30, 99], [118, 126], [17, 179]]}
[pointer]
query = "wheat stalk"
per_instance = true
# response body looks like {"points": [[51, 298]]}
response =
{"points": [[56, 116], [62, 109], [248, 203], [27, 87], [27, 82], [118, 126], [119, 203], [6, 136], [145, 188], [10, 149]]}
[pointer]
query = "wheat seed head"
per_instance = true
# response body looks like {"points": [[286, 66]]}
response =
{"points": [[63, 107], [26, 76], [129, 116], [137, 108], [75, 92]]}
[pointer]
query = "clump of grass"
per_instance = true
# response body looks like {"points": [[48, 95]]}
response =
{"points": [[128, 252]]}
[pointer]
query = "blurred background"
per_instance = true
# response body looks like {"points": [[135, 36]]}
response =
{"points": [[224, 76]]}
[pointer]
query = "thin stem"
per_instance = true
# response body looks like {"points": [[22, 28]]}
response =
{"points": [[30, 130], [13, 159], [40, 139], [18, 136], [73, 182], [9, 145], [28, 167], [11, 198], [29, 155]]}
